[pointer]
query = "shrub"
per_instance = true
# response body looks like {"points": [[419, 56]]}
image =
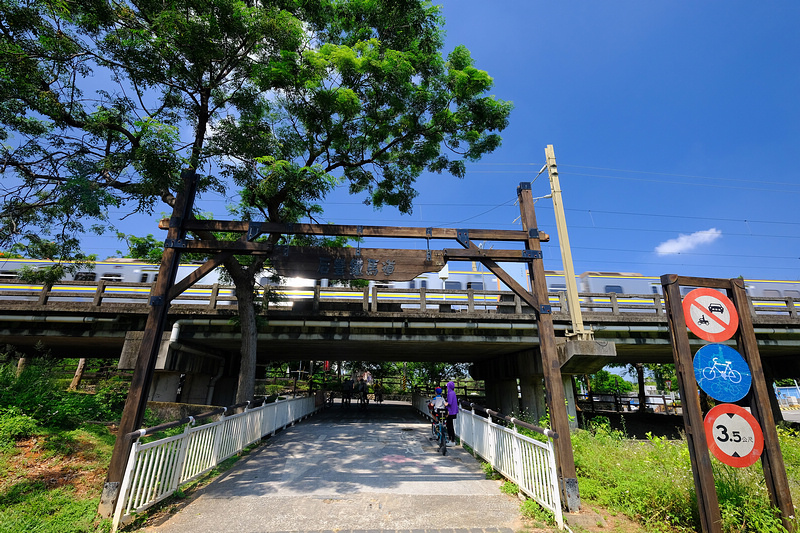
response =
{"points": [[14, 425]]}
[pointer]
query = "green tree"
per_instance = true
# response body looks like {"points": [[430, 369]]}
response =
{"points": [[103, 103], [604, 382]]}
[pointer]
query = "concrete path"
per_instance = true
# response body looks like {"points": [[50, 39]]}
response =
{"points": [[354, 470]]}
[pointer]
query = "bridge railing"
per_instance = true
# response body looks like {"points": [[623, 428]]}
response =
{"points": [[372, 299], [528, 462], [156, 469]]}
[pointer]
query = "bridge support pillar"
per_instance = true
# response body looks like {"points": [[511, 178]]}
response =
{"points": [[569, 395], [531, 388]]}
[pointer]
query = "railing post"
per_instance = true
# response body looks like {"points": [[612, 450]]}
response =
{"points": [[365, 300], [218, 431], [98, 294], [657, 304], [790, 306], [181, 463], [422, 305], [44, 294], [212, 301], [614, 303], [374, 303], [315, 302], [517, 304], [471, 300]]}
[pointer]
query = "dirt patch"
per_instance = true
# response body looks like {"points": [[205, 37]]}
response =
{"points": [[32, 462]]}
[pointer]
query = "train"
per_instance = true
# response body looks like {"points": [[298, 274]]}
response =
{"points": [[454, 277]]}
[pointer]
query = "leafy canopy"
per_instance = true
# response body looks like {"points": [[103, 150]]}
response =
{"points": [[102, 103]]}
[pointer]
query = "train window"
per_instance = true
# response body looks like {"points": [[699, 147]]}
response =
{"points": [[143, 279], [155, 277], [418, 284], [614, 288], [772, 293], [477, 285], [792, 294], [452, 285], [686, 290], [85, 276], [111, 276], [558, 287], [8, 274]]}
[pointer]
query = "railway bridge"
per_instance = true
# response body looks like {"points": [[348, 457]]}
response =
{"points": [[493, 331]]}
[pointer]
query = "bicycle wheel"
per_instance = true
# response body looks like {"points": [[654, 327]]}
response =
{"points": [[442, 439], [708, 373]]}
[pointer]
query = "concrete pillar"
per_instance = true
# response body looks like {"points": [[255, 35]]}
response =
{"points": [[532, 402], [195, 389], [509, 396], [491, 388], [164, 387], [569, 393]]}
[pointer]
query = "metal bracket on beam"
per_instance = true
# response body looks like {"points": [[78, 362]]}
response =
{"points": [[174, 243], [531, 254], [533, 233], [156, 300], [524, 186], [428, 235], [462, 236], [545, 309], [254, 230]]}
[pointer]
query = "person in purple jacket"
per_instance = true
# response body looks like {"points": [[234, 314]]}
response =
{"points": [[452, 410]]}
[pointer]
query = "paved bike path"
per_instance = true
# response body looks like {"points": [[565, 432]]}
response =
{"points": [[354, 470]]}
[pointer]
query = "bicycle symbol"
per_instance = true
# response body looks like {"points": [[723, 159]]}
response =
{"points": [[723, 370]]}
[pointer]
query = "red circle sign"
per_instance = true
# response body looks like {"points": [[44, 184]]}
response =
{"points": [[710, 315], [733, 435]]}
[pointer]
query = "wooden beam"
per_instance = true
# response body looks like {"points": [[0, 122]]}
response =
{"points": [[354, 263], [771, 458], [353, 231], [197, 275], [136, 402], [565, 460], [707, 502]]}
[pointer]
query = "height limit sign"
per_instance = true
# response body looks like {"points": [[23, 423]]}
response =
{"points": [[710, 315]]}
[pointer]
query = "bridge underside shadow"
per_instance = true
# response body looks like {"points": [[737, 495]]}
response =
{"points": [[350, 469]]}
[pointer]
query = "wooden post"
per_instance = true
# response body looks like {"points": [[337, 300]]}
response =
{"points": [[771, 458], [136, 402], [707, 502], [547, 344]]}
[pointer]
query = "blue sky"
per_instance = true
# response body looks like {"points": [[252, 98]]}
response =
{"points": [[676, 128]]}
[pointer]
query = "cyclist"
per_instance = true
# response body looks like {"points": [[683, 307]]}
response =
{"points": [[438, 410], [452, 410]]}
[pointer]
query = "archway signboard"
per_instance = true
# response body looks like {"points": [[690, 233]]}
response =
{"points": [[345, 264]]}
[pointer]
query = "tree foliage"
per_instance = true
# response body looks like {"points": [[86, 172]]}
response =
{"points": [[102, 104]]}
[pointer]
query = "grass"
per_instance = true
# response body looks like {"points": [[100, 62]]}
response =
{"points": [[51, 481], [651, 482]]}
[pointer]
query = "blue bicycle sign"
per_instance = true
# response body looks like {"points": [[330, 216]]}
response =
{"points": [[722, 372]]}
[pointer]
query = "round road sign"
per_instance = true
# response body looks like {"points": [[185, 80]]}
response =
{"points": [[734, 436], [710, 315], [722, 372]]}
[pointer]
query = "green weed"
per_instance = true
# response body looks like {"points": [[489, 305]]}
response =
{"points": [[509, 488], [540, 516]]}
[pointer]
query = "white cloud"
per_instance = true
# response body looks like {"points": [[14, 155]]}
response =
{"points": [[685, 243]]}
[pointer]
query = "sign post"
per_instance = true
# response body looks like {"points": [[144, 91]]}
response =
{"points": [[734, 435]]}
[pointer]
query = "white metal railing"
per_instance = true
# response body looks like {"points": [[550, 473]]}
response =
{"points": [[156, 469], [521, 459]]}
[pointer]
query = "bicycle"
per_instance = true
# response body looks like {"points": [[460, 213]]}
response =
{"points": [[439, 430], [724, 370]]}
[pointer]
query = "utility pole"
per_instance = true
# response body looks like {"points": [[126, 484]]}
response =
{"points": [[566, 253]]}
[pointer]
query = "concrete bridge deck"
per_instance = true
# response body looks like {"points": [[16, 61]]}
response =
{"points": [[348, 469]]}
